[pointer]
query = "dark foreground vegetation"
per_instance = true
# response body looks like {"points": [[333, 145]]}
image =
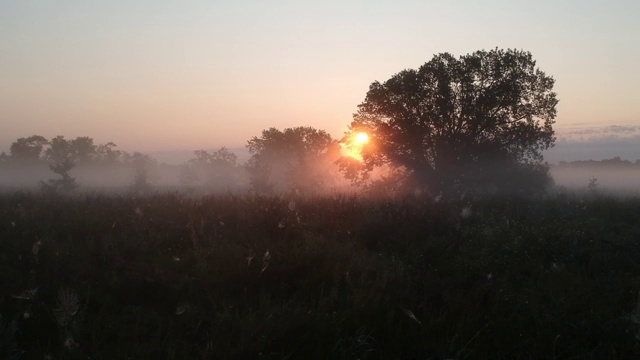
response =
{"points": [[231, 277]]}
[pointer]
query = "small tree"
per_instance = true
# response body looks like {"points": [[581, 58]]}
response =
{"points": [[66, 183], [300, 158], [143, 165], [593, 185], [218, 170], [107, 153]]}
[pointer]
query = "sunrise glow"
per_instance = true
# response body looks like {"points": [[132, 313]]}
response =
{"points": [[353, 147]]}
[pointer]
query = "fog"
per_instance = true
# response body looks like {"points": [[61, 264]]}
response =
{"points": [[29, 176], [613, 176], [189, 177]]}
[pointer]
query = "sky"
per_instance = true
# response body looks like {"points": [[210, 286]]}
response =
{"points": [[185, 75]]}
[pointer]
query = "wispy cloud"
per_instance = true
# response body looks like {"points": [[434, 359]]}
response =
{"points": [[598, 134]]}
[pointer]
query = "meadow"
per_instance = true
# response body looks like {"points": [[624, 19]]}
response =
{"points": [[170, 276]]}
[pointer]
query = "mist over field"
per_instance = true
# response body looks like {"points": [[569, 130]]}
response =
{"points": [[615, 179], [612, 176]]}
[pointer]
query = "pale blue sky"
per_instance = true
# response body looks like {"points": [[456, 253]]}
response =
{"points": [[161, 75]]}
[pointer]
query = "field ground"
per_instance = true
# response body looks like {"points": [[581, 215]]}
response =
{"points": [[167, 276]]}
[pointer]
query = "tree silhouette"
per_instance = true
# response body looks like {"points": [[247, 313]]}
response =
{"points": [[299, 158], [83, 149], [61, 157], [218, 170], [143, 168], [66, 183], [106, 153], [220, 157], [28, 149], [459, 123], [80, 149], [4, 158]]}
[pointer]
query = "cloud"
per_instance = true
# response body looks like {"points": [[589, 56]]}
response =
{"points": [[596, 144], [601, 134], [623, 129]]}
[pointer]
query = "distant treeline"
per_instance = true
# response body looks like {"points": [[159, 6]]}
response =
{"points": [[615, 162], [32, 159], [81, 149], [300, 159]]}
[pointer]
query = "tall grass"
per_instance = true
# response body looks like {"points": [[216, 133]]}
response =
{"points": [[240, 276]]}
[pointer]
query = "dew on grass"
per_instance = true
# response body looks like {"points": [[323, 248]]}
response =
{"points": [[266, 260], [28, 294], [67, 306], [36, 247]]}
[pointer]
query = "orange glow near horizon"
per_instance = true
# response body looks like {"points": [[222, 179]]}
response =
{"points": [[353, 148]]}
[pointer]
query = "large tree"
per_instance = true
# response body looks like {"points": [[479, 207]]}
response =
{"points": [[456, 123], [300, 158]]}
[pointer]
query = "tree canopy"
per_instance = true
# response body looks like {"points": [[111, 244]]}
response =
{"points": [[28, 149], [80, 149], [458, 122]]}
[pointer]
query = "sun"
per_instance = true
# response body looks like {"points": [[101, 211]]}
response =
{"points": [[353, 148], [361, 138]]}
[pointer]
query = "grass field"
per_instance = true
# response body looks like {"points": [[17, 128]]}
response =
{"points": [[167, 276]]}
